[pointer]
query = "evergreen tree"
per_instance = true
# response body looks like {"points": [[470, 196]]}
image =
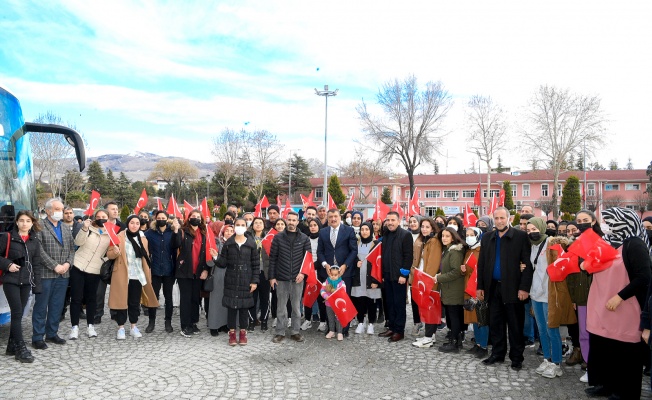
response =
{"points": [[124, 194], [335, 190], [301, 174], [96, 180], [509, 200], [435, 165], [439, 212], [613, 165], [222, 212], [571, 161], [571, 201], [111, 185], [124, 213], [386, 197], [516, 220], [579, 166], [630, 166], [500, 168]]}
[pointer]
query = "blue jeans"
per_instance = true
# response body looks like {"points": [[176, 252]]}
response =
{"points": [[481, 335], [549, 337], [48, 306], [528, 327]]}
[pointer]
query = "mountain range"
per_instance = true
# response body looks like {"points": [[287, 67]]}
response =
{"points": [[138, 165]]}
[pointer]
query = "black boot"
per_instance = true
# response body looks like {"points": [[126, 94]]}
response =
{"points": [[150, 326], [168, 326], [460, 340], [11, 347], [449, 347], [22, 354]]}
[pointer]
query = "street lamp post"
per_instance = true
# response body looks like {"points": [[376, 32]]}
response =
{"points": [[290, 180], [326, 93], [208, 183]]}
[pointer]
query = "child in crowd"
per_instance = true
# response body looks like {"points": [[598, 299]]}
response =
{"points": [[333, 282]]}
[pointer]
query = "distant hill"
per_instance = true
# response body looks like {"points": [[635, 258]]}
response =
{"points": [[137, 166]]}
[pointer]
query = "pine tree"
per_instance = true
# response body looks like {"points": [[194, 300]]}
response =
{"points": [[613, 165], [439, 212], [500, 168], [630, 166], [386, 197], [579, 166], [124, 194], [516, 220], [301, 174], [95, 177], [124, 213], [222, 212], [435, 166], [509, 200], [335, 190], [571, 161], [571, 201], [110, 185]]}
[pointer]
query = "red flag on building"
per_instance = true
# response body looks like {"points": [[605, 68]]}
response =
{"points": [[477, 198], [397, 208], [431, 312], [342, 305], [375, 257], [142, 202], [187, 208], [501, 200], [381, 210], [204, 210], [351, 203], [173, 208], [267, 240], [331, 203], [288, 207], [422, 284], [598, 255], [413, 207], [92, 204], [210, 244], [472, 283], [111, 229], [159, 204], [564, 265], [494, 205], [469, 217], [311, 293]]}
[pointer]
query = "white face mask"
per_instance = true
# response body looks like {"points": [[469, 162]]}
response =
{"points": [[248, 224], [240, 230], [348, 220], [471, 240], [452, 226], [57, 215]]}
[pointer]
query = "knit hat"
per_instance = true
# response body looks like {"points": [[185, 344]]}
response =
{"points": [[273, 207]]}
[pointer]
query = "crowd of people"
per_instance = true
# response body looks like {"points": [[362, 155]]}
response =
{"points": [[225, 269]]}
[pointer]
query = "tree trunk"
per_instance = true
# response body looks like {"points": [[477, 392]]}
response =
{"points": [[226, 195], [411, 179]]}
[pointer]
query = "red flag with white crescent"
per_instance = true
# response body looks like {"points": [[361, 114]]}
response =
{"points": [[472, 283], [266, 243], [469, 217], [431, 312], [159, 204], [311, 293], [264, 203], [397, 207], [422, 284], [173, 208], [351, 203], [142, 202], [93, 203], [288, 208], [494, 205], [187, 209], [477, 201], [278, 202], [501, 200], [210, 244], [204, 210], [111, 229], [381, 210], [564, 265], [375, 257], [331, 203], [413, 207], [598, 255], [342, 305]]}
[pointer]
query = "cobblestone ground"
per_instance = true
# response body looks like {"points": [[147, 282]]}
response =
{"points": [[169, 366]]}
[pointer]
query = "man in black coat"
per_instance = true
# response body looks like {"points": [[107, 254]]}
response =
{"points": [[504, 279], [397, 260], [285, 259]]}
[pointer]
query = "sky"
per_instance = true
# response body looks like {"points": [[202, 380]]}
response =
{"points": [[167, 77]]}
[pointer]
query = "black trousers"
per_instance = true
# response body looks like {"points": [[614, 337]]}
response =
{"points": [[416, 318], [237, 317], [189, 301], [365, 306], [261, 297], [396, 295], [17, 296], [133, 304], [455, 317], [168, 283], [431, 329], [616, 365], [321, 303], [501, 318], [83, 286]]}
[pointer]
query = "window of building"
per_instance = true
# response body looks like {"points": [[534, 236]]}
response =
{"points": [[544, 190], [418, 194], [632, 186], [590, 189], [351, 191], [319, 193], [433, 194], [493, 193], [407, 194], [611, 187], [513, 186], [451, 193], [374, 192], [468, 193], [430, 211], [526, 190], [559, 189]]}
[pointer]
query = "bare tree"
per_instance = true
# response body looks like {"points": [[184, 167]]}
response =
{"points": [[557, 122], [364, 171], [410, 128], [613, 201], [487, 131], [640, 202], [175, 172], [548, 205], [228, 148], [263, 149]]}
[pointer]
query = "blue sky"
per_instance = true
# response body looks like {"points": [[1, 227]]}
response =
{"points": [[166, 77]]}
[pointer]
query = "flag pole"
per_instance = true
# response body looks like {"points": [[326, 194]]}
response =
{"points": [[584, 167]]}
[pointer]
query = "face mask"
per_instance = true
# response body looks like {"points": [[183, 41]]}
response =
{"points": [[248, 224], [452, 226], [194, 221], [649, 235], [483, 229], [551, 232], [471, 240], [440, 225], [240, 230], [583, 227], [57, 215], [577, 234], [348, 220], [160, 223], [534, 236], [504, 229], [100, 222], [144, 222]]}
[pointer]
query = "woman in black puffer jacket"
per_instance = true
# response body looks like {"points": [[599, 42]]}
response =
{"points": [[240, 256], [21, 272]]}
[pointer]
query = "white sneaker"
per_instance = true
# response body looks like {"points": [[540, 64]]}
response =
{"points": [[135, 332], [307, 324], [289, 322], [74, 333], [370, 329], [359, 329], [274, 321], [416, 329], [121, 334], [552, 371], [423, 342], [542, 367], [91, 331], [585, 378], [322, 327]]}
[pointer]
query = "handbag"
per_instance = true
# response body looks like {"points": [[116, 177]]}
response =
{"points": [[106, 271], [209, 283], [482, 312]]}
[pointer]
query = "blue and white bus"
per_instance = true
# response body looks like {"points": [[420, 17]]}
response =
{"points": [[17, 186]]}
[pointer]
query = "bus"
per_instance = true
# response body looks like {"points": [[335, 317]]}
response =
{"points": [[17, 186]]}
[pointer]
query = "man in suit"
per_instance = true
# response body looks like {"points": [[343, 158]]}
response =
{"points": [[337, 245], [57, 258]]}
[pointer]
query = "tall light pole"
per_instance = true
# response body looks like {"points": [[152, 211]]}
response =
{"points": [[326, 93], [290, 178], [208, 183]]}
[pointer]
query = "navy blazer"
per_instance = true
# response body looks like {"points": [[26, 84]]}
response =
{"points": [[345, 251]]}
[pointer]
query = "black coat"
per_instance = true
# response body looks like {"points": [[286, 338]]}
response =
{"points": [[515, 249], [397, 253], [27, 255], [285, 257], [242, 265], [183, 240]]}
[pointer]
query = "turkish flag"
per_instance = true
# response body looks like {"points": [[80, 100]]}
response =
{"points": [[413, 207], [422, 284], [111, 229], [92, 204], [308, 201], [494, 205], [267, 240], [173, 208], [204, 210], [278, 202], [264, 203], [501, 200], [308, 268], [397, 208], [598, 255], [472, 261], [375, 257], [351, 203], [477, 200], [159, 204], [142, 201], [258, 212], [469, 217], [472, 283], [381, 210], [331, 203], [430, 313], [311, 293], [187, 208], [288, 207], [564, 265], [210, 244], [342, 305]]}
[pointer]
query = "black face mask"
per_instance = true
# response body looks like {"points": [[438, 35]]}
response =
{"points": [[194, 221], [504, 229], [440, 225], [534, 236], [100, 222], [144, 222], [551, 232], [649, 235], [584, 226], [160, 223], [483, 229], [577, 234]]}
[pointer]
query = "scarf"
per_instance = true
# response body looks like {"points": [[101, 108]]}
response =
{"points": [[136, 243], [314, 235], [623, 223], [371, 236], [540, 224]]}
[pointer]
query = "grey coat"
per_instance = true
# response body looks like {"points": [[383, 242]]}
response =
{"points": [[54, 252]]}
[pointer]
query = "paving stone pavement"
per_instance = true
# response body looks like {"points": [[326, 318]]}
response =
{"points": [[169, 366]]}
